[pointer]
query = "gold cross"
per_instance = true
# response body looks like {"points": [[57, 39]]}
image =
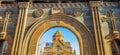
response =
{"points": [[5, 20]]}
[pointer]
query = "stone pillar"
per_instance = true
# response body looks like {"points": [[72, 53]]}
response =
{"points": [[20, 28], [97, 26], [103, 46]]}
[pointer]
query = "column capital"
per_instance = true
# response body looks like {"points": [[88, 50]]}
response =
{"points": [[95, 3], [23, 4]]}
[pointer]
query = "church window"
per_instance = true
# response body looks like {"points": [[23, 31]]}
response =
{"points": [[58, 48]]}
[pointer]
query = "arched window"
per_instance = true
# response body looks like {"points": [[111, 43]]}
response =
{"points": [[58, 48]]}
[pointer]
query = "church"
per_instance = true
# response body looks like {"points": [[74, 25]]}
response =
{"points": [[58, 46]]}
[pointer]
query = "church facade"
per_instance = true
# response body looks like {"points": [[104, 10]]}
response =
{"points": [[58, 46], [96, 24]]}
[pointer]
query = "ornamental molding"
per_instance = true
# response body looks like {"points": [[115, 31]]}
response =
{"points": [[61, 5], [95, 3], [23, 4]]}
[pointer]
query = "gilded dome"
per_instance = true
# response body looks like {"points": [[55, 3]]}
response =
{"points": [[59, 34]]}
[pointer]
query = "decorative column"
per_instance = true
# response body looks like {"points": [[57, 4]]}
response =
{"points": [[20, 28], [97, 26]]}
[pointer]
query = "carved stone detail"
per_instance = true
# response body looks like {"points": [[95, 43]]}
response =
{"points": [[78, 12], [58, 10], [113, 36], [0, 2], [38, 13], [2, 35], [23, 4], [103, 18], [95, 3]]}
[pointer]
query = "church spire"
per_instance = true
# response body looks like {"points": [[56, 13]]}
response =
{"points": [[58, 35]]}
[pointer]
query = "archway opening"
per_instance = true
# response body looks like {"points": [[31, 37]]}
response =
{"points": [[69, 42], [85, 39]]}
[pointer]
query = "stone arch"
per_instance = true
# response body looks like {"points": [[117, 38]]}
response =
{"points": [[86, 40]]}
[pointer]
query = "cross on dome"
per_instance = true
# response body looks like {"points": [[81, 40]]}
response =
{"points": [[59, 34]]}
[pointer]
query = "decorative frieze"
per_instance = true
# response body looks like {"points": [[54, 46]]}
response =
{"points": [[8, 5], [59, 5]]}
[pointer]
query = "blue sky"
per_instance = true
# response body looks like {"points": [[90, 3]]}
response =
{"points": [[68, 37]]}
